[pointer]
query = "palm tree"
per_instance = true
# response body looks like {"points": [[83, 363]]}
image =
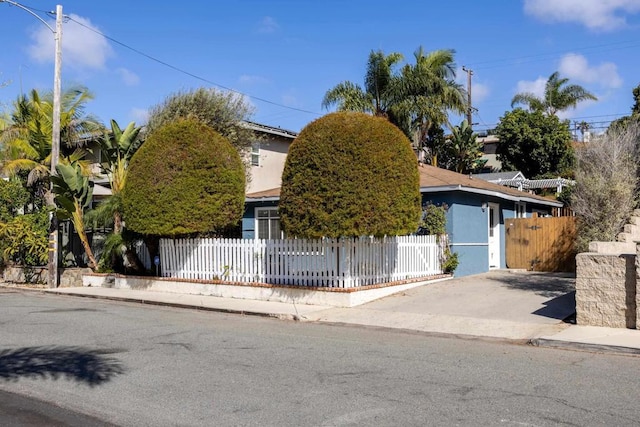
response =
{"points": [[558, 96], [428, 92], [376, 97], [462, 149], [27, 137], [417, 99]]}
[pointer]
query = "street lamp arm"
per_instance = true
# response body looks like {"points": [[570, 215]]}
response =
{"points": [[26, 9]]}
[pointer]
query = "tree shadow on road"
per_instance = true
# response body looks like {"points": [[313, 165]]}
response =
{"points": [[91, 367]]}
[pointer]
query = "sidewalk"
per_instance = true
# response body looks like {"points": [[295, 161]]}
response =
{"points": [[395, 312]]}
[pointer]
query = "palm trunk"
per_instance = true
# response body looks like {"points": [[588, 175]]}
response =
{"points": [[78, 223], [117, 223], [87, 248]]}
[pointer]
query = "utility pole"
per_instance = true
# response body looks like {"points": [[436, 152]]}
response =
{"points": [[55, 148], [52, 279], [469, 105]]}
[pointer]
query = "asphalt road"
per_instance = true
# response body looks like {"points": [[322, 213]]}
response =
{"points": [[17, 410], [130, 364]]}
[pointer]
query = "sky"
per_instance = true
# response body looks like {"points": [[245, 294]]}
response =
{"points": [[283, 55]]}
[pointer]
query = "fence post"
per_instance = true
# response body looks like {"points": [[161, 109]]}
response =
{"points": [[347, 251]]}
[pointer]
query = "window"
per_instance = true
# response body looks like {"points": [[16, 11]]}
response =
{"points": [[268, 223], [521, 210], [255, 154]]}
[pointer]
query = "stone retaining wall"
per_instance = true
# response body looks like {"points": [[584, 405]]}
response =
{"points": [[607, 279], [69, 277], [606, 290], [33, 275]]}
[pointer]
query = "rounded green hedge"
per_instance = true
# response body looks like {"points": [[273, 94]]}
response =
{"points": [[350, 174], [186, 178]]}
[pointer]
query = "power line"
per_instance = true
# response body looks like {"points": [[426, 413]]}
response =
{"points": [[195, 76], [543, 56]]}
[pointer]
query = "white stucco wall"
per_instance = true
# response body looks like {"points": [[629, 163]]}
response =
{"points": [[268, 174]]}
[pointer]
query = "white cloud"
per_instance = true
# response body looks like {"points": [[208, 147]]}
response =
{"points": [[139, 115], [479, 91], [81, 47], [268, 25], [251, 80], [599, 15], [535, 87], [128, 77], [576, 67]]}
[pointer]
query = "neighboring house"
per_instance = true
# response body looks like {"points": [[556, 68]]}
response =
{"points": [[268, 155], [517, 180], [476, 215], [489, 149]]}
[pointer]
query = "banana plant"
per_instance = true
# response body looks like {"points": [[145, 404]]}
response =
{"points": [[73, 196], [117, 147]]}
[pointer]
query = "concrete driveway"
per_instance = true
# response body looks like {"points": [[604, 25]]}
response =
{"points": [[510, 304]]}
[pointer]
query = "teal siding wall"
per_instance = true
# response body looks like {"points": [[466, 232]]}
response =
{"points": [[249, 218], [467, 226]]}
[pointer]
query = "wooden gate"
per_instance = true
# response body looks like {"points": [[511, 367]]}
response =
{"points": [[541, 244]]}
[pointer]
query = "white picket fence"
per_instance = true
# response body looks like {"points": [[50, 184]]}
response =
{"points": [[336, 263]]}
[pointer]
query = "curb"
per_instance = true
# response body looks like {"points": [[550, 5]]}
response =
{"points": [[535, 342], [581, 346], [164, 304]]}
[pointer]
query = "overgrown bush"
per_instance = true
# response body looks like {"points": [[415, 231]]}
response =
{"points": [[433, 220], [606, 190], [185, 179], [224, 112], [350, 174], [13, 197], [24, 239]]}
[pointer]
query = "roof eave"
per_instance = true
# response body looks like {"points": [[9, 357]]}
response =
{"points": [[492, 193], [262, 199]]}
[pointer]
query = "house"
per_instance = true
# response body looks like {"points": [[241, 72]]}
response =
{"points": [[489, 152], [268, 155], [477, 211]]}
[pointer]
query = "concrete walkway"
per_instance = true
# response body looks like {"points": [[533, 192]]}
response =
{"points": [[525, 307]]}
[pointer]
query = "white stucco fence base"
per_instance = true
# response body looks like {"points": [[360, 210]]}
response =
{"points": [[334, 297]]}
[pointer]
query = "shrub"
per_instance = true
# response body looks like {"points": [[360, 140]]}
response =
{"points": [[224, 112], [350, 174], [606, 190], [451, 261], [185, 179], [433, 220], [24, 240], [13, 197]]}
